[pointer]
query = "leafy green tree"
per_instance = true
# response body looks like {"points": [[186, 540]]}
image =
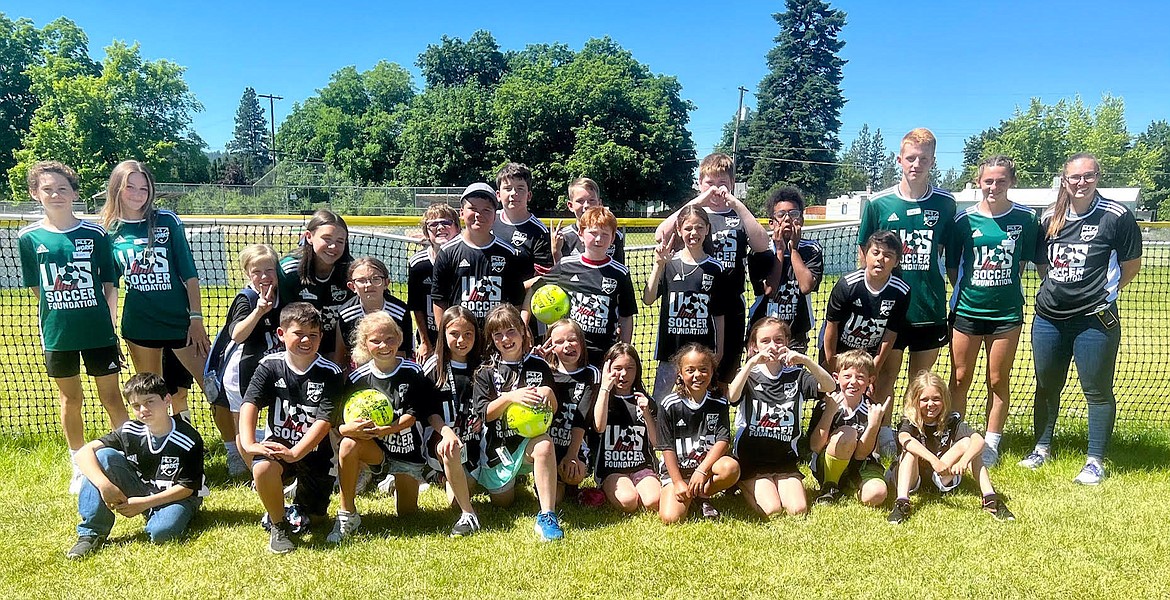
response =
{"points": [[20, 48], [1156, 138], [249, 143], [446, 137], [453, 62]]}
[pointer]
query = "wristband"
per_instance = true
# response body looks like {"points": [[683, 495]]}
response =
{"points": [[196, 316]]}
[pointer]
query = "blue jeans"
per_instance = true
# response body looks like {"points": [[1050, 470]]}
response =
{"points": [[1085, 339], [163, 523]]}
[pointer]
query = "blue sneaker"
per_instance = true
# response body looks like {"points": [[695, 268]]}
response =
{"points": [[548, 528], [1091, 474]]}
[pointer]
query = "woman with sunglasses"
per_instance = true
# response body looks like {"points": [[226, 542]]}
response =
{"points": [[1089, 248], [440, 224]]}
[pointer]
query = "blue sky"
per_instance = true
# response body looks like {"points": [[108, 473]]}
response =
{"points": [[943, 65]]}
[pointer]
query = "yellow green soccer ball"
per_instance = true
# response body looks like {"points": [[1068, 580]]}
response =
{"points": [[529, 422], [550, 303], [369, 404]]}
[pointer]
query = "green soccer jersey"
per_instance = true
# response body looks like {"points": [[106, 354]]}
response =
{"points": [[924, 226], [69, 268], [989, 253], [155, 275]]}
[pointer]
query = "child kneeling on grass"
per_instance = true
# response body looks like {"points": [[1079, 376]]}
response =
{"points": [[151, 466], [936, 440]]}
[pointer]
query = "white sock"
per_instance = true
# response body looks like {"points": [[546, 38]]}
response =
{"points": [[992, 440]]}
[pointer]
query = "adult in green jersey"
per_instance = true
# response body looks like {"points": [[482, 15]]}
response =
{"points": [[162, 308], [67, 264], [985, 257], [922, 215]]}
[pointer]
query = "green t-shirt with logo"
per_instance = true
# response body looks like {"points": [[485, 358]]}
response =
{"points": [[69, 268], [924, 226], [989, 253], [154, 275]]}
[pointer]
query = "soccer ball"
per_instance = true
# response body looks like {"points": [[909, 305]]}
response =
{"points": [[528, 421], [550, 303], [369, 404]]}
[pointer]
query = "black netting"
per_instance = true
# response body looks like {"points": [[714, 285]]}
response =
{"points": [[28, 399]]}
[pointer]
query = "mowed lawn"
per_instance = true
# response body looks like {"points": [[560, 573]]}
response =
{"points": [[1069, 541]]}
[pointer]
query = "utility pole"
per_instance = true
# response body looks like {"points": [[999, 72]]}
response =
{"points": [[272, 119], [738, 119]]}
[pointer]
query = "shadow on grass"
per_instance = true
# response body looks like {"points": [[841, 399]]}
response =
{"points": [[1131, 450]]}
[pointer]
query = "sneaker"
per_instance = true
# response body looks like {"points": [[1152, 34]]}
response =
{"points": [[1035, 460], [346, 524], [708, 510], [995, 506], [548, 528], [900, 513], [297, 522], [386, 486], [1091, 474], [365, 478], [290, 490], [829, 494], [85, 544], [278, 540], [468, 524]]}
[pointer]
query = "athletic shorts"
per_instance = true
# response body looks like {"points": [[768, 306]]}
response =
{"points": [[782, 470], [855, 475], [314, 481], [918, 338], [981, 327], [431, 455], [393, 466], [174, 373], [156, 344], [934, 477], [501, 478], [99, 362]]}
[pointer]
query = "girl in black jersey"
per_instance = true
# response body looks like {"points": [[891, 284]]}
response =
{"points": [[771, 391], [315, 272], [624, 416], [368, 278], [575, 384], [936, 440], [457, 352]]}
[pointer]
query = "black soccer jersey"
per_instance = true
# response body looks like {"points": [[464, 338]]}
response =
{"points": [[571, 243], [244, 357], [1084, 272], [530, 238], [328, 295], [351, 314], [500, 441], [478, 279], [787, 302], [455, 403], [576, 392], [937, 439], [176, 459], [692, 429], [410, 393], [857, 418], [730, 238], [767, 421], [691, 297], [599, 296], [863, 314], [625, 444], [295, 400], [418, 291]]}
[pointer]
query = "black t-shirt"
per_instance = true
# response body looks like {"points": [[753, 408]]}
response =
{"points": [[599, 296], [351, 314], [937, 439], [261, 341], [295, 401], [691, 430], [767, 421], [478, 279], [176, 459], [864, 315], [455, 403], [410, 393], [691, 297], [730, 239], [500, 441], [857, 418], [418, 290], [571, 243], [1084, 272], [576, 393], [326, 294], [787, 302], [530, 238], [625, 444]]}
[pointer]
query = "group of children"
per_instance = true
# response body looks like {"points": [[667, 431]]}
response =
{"points": [[312, 328]]}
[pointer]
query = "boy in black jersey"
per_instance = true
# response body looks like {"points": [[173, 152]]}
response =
{"points": [[567, 241], [514, 225], [440, 225], [299, 388], [152, 465]]}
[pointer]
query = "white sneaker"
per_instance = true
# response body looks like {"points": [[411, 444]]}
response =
{"points": [[346, 524], [386, 486], [1091, 474], [1034, 460], [990, 456]]}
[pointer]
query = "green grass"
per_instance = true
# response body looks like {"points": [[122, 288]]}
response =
{"points": [[1070, 541]]}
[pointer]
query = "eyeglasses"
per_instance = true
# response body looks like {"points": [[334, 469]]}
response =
{"points": [[440, 223], [1089, 177], [793, 214], [375, 280]]}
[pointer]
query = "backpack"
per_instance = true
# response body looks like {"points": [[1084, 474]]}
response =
{"points": [[221, 351]]}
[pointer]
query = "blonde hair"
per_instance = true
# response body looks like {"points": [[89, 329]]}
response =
{"points": [[918, 385], [858, 360], [717, 164], [587, 184], [583, 359], [258, 252], [112, 211], [1063, 198], [920, 136], [367, 326], [785, 331], [440, 210]]}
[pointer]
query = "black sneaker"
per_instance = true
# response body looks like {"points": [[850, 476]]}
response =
{"points": [[467, 524], [708, 510], [85, 544], [829, 494], [900, 513], [278, 540], [995, 506]]}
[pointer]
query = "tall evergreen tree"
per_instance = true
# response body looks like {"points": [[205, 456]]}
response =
{"points": [[795, 130], [249, 144]]}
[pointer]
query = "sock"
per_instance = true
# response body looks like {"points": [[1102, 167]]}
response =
{"points": [[992, 440], [185, 415], [989, 498], [834, 467]]}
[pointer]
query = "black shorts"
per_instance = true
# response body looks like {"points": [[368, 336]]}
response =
{"points": [[314, 481], [174, 373], [981, 327], [99, 362], [156, 344], [918, 338], [749, 470]]}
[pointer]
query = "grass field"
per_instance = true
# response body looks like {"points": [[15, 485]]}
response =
{"points": [[1069, 541]]}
